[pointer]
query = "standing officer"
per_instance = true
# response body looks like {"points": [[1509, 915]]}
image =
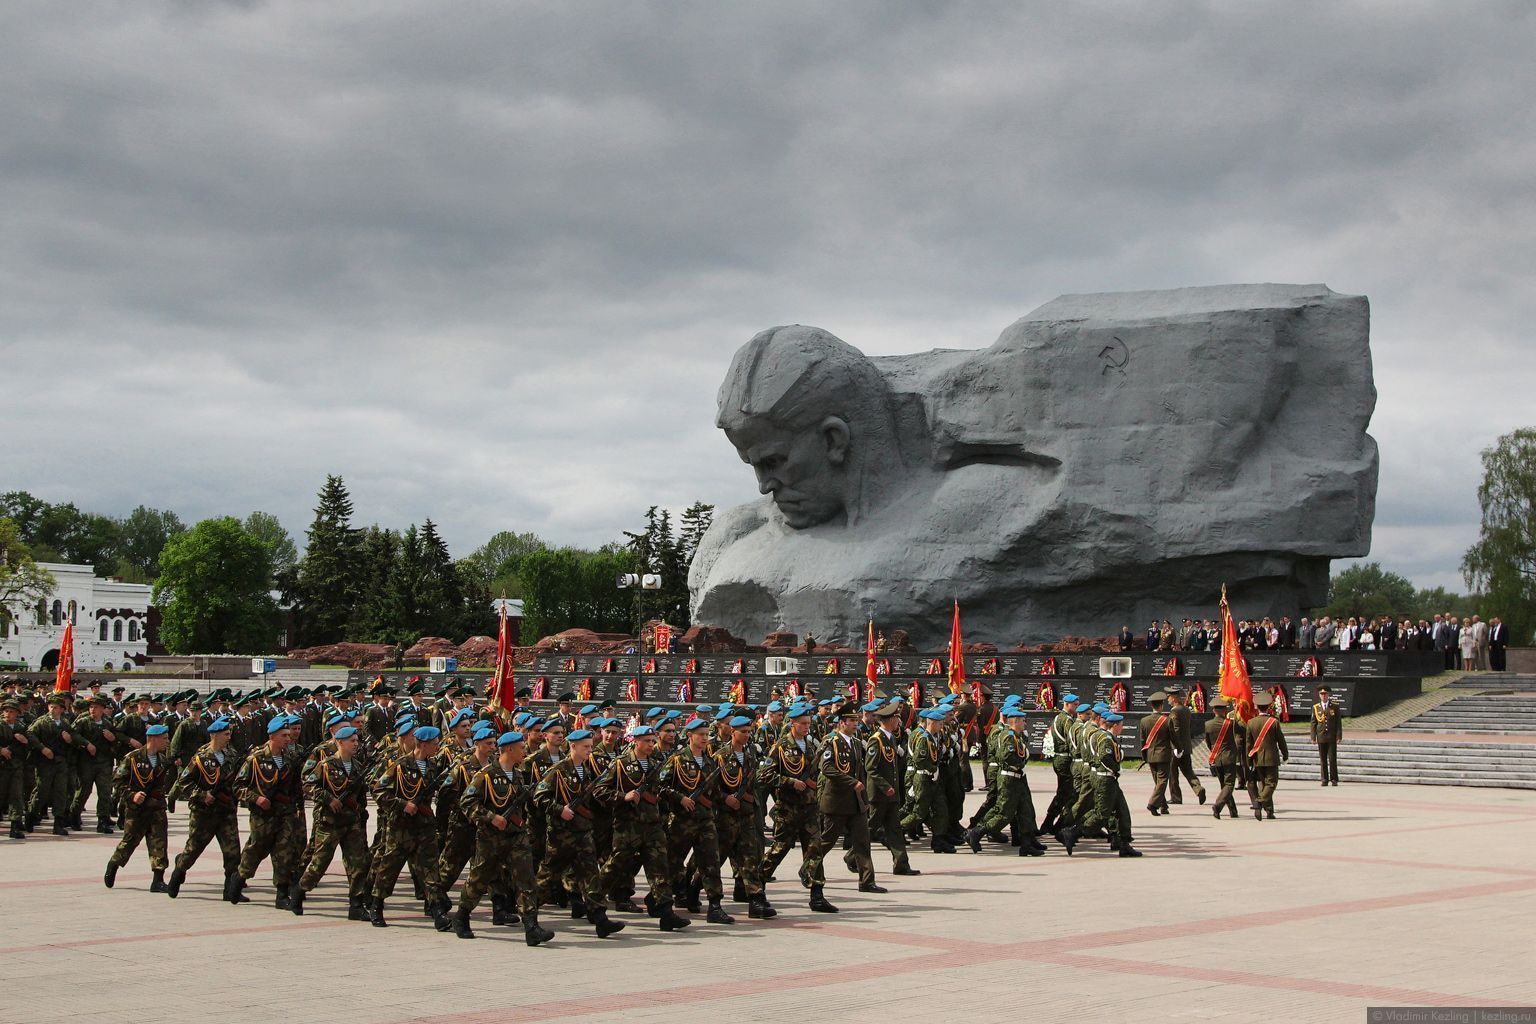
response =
{"points": [[207, 783], [1266, 752], [142, 777], [1327, 731]]}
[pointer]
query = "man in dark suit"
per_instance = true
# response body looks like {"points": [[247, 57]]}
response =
{"points": [[1498, 639], [1127, 638], [1387, 635], [1287, 633]]}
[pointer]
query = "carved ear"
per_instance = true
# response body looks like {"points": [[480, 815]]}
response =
{"points": [[834, 432]]}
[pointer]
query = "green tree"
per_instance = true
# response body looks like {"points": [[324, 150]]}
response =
{"points": [[572, 589], [144, 534], [493, 567], [1502, 564], [1367, 591], [375, 614], [213, 589], [281, 551], [1432, 601], [22, 581], [326, 585]]}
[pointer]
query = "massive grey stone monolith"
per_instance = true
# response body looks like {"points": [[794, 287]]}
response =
{"points": [[1110, 459]]}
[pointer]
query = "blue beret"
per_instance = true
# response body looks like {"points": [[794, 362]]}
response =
{"points": [[159, 730], [334, 721], [351, 714], [533, 722], [723, 713], [588, 709], [655, 713], [874, 705], [427, 733], [459, 716], [739, 721], [1069, 698], [404, 716], [506, 739], [484, 732], [705, 709], [829, 702], [276, 725], [671, 715], [1015, 713], [643, 730], [949, 698], [579, 735], [1112, 718], [775, 706], [697, 723], [217, 725], [521, 717], [932, 714], [799, 711], [404, 726], [346, 733]]}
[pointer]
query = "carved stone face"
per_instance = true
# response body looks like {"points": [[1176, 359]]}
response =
{"points": [[804, 470]]}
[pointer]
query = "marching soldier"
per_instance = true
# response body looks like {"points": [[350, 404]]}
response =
{"points": [[843, 797], [885, 766], [403, 790], [790, 771], [142, 777], [630, 786], [1178, 713], [929, 802], [207, 783], [736, 818], [270, 785], [338, 786], [564, 795], [496, 802], [1266, 752], [1059, 738], [687, 781], [1327, 729], [95, 744], [1224, 736], [1014, 808], [1108, 811], [1157, 751], [458, 833]]}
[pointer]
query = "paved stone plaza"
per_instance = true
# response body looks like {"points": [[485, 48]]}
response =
{"points": [[1355, 896]]}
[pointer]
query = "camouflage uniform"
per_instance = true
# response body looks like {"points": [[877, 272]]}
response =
{"points": [[692, 832], [796, 816], [140, 772], [407, 837], [458, 833], [568, 848], [738, 834], [94, 771], [336, 779], [503, 858], [278, 830], [207, 784], [638, 839]]}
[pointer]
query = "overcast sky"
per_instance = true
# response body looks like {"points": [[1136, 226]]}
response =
{"points": [[489, 261]]}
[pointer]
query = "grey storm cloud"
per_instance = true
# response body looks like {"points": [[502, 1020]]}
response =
{"points": [[489, 261]]}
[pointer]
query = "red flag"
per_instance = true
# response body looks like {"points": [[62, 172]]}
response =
{"points": [[869, 659], [1171, 668], [1233, 679], [64, 675], [956, 655], [499, 692]]}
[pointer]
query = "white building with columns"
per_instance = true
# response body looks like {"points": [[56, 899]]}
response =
{"points": [[111, 622]]}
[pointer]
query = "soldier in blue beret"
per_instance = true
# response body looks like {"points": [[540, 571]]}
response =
{"points": [[566, 794], [403, 790], [143, 780], [337, 784], [270, 784], [1058, 747], [631, 787], [207, 783]]}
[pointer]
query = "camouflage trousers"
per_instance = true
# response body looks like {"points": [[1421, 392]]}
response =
{"points": [[401, 844], [1014, 807], [143, 822], [50, 791], [1066, 795], [95, 775], [739, 837], [694, 834], [930, 805], [1108, 811], [794, 823], [955, 781], [570, 859], [833, 827], [502, 863], [279, 836], [204, 825], [459, 845], [637, 844], [351, 838]]}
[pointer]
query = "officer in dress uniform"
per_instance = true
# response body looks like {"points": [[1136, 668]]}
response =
{"points": [[1327, 729], [1266, 752]]}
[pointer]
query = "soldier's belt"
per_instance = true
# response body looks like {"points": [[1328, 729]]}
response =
{"points": [[1010, 773]]}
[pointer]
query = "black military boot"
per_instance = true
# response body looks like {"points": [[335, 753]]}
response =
{"points": [[281, 902], [938, 845], [1126, 850], [819, 902], [563, 897], [738, 894], [356, 911], [376, 913], [296, 899], [651, 906], [157, 880], [628, 906], [461, 924], [59, 829], [230, 891], [532, 933], [670, 922], [240, 896], [973, 839], [872, 887], [599, 918], [718, 916], [905, 868], [17, 832], [173, 887], [578, 907], [691, 900], [440, 919], [759, 909], [101, 828], [110, 878], [1068, 838]]}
